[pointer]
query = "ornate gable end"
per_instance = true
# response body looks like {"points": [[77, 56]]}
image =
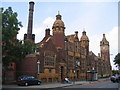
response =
{"points": [[49, 45], [70, 38]]}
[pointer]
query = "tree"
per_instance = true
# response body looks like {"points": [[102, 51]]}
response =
{"points": [[115, 72], [10, 28], [117, 60], [13, 50]]}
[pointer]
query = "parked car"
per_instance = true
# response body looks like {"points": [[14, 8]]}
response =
{"points": [[115, 78], [118, 78], [28, 80]]}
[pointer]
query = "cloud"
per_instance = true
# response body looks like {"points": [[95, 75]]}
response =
{"points": [[39, 31], [94, 43], [62, 0], [21, 33], [48, 21], [113, 41], [113, 38]]}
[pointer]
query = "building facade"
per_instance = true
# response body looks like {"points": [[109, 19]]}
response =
{"points": [[68, 56], [59, 55]]}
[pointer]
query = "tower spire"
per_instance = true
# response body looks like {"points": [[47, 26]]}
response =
{"points": [[58, 17], [58, 12], [104, 38]]}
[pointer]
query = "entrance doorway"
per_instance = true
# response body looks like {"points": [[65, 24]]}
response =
{"points": [[77, 74], [62, 73]]}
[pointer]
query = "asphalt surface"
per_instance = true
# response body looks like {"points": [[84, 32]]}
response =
{"points": [[99, 85], [105, 84]]}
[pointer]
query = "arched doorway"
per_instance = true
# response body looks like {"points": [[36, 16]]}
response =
{"points": [[77, 74], [62, 73]]}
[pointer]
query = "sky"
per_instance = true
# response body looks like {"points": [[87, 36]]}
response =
{"points": [[95, 17]]}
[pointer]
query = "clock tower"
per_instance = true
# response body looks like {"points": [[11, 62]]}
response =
{"points": [[105, 55], [104, 47]]}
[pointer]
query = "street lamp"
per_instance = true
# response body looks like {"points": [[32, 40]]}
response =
{"points": [[66, 49], [77, 63], [110, 68], [74, 77], [38, 62]]}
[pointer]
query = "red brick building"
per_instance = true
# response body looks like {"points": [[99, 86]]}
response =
{"points": [[59, 56]]}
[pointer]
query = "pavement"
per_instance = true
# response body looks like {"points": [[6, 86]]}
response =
{"points": [[59, 85], [56, 85]]}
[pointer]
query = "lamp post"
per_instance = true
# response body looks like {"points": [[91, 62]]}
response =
{"points": [[38, 63], [92, 73], [74, 77], [93, 68], [111, 58], [66, 49], [77, 64]]}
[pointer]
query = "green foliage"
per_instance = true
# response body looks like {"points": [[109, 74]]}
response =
{"points": [[117, 60], [13, 50], [114, 72], [10, 24], [28, 47]]}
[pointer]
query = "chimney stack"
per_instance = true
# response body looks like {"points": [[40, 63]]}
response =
{"points": [[98, 54], [76, 33], [47, 32], [29, 35]]}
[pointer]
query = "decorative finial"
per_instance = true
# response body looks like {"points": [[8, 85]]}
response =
{"points": [[103, 35], [76, 32], [84, 32], [104, 38], [58, 12], [83, 29], [58, 17]]}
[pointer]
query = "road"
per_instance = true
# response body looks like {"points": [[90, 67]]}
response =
{"points": [[97, 85], [104, 85]]}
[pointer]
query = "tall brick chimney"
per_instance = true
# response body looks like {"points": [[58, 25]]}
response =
{"points": [[29, 34]]}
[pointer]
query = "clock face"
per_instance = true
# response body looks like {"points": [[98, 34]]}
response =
{"points": [[103, 47]]}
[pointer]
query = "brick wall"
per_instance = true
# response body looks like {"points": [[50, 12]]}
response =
{"points": [[28, 66]]}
